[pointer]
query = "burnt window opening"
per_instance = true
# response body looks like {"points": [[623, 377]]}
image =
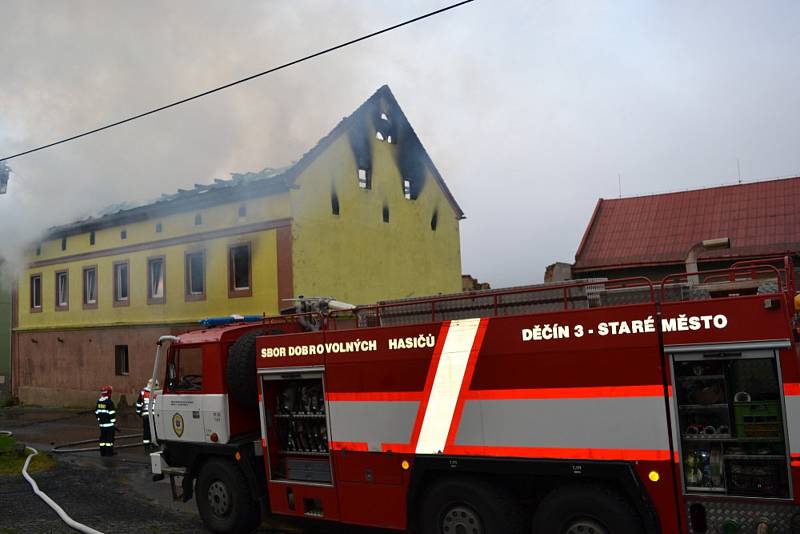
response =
{"points": [[243, 210], [407, 189], [159, 228], [198, 220], [364, 179], [334, 203], [385, 213], [121, 360], [36, 292], [63, 243], [379, 135], [123, 234], [434, 220], [91, 237]]}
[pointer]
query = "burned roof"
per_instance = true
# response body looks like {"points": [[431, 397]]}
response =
{"points": [[760, 218], [413, 159]]}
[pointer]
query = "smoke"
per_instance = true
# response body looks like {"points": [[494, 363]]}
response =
{"points": [[529, 110]]}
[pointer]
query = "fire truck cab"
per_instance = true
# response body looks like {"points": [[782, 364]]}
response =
{"points": [[602, 406]]}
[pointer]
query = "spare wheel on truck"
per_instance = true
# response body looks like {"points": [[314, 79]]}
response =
{"points": [[241, 368]]}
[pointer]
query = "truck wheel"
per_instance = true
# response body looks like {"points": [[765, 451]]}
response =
{"points": [[465, 506], [584, 510], [223, 499], [241, 368]]}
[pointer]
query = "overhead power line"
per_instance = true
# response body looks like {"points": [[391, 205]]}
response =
{"points": [[237, 82]]}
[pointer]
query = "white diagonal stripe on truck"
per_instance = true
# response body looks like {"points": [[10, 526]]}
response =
{"points": [[447, 386]]}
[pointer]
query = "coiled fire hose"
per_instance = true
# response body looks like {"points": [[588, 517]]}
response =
{"points": [[80, 527]]}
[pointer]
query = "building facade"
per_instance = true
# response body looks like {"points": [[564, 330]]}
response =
{"points": [[652, 235], [6, 320], [362, 216]]}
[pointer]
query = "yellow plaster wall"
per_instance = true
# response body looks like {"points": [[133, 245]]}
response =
{"points": [[176, 309], [355, 256]]}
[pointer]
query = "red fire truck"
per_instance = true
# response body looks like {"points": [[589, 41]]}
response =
{"points": [[596, 406]]}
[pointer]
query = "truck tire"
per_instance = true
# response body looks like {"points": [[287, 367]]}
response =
{"points": [[223, 499], [590, 508], [241, 368], [471, 506]]}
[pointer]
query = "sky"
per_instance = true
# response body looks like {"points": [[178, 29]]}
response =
{"points": [[531, 110]]}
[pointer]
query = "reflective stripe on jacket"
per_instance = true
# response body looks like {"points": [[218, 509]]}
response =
{"points": [[105, 412]]}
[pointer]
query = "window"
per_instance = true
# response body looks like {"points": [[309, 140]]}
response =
{"points": [[364, 181], [334, 203], [90, 287], [386, 214], [62, 290], [406, 189], [121, 360], [91, 237], [195, 276], [198, 220], [123, 234], [63, 243], [243, 210], [38, 250], [36, 292], [159, 228], [156, 278], [434, 220], [185, 370], [121, 283], [239, 271]]}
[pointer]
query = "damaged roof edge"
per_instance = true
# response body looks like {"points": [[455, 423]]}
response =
{"points": [[215, 193]]}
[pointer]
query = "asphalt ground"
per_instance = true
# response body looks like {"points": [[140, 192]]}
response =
{"points": [[112, 495]]}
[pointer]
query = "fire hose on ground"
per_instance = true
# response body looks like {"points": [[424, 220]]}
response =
{"points": [[59, 448], [50, 502]]}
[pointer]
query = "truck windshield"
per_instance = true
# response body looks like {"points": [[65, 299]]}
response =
{"points": [[185, 370]]}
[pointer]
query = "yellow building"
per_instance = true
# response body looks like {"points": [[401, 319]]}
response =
{"points": [[363, 216]]}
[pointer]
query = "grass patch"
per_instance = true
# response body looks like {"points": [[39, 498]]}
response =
{"points": [[11, 462]]}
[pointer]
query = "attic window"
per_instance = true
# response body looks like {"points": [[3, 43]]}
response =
{"points": [[91, 237], [38, 250], [385, 214], [389, 139], [198, 220], [364, 181], [434, 220], [63, 243], [379, 136], [159, 228], [123, 234], [407, 189], [384, 117], [243, 210], [334, 203]]}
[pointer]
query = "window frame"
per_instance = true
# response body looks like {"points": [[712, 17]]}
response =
{"points": [[173, 365], [187, 293], [86, 304], [233, 291], [150, 298], [366, 183], [58, 305], [118, 302], [117, 366], [35, 309]]}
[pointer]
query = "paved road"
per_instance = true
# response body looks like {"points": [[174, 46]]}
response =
{"points": [[113, 495]]}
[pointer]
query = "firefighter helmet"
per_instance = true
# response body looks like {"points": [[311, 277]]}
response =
{"points": [[106, 390]]}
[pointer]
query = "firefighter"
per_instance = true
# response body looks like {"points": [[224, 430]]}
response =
{"points": [[143, 411], [106, 415]]}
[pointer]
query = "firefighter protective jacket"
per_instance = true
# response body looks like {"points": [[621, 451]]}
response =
{"points": [[105, 412], [143, 403]]}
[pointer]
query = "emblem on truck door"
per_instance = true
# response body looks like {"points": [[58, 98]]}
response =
{"points": [[177, 424]]}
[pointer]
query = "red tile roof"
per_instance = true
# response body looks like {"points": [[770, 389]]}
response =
{"points": [[761, 218]]}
